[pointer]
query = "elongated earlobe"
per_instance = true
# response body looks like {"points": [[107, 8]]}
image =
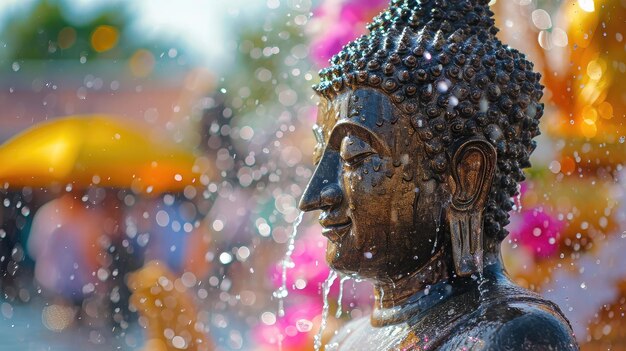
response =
{"points": [[472, 169], [467, 241]]}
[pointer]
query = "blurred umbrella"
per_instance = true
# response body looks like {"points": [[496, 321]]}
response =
{"points": [[95, 150]]}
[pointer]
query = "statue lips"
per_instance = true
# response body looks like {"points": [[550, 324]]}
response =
{"points": [[334, 232]]}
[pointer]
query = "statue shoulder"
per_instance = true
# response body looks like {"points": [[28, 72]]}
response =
{"points": [[538, 328], [513, 323]]}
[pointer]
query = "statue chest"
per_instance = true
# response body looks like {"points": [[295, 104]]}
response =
{"points": [[464, 322], [428, 332]]}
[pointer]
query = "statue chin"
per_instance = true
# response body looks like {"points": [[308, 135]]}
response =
{"points": [[349, 265], [424, 127], [338, 263]]}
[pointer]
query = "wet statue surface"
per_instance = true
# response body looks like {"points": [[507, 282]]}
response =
{"points": [[425, 125]]}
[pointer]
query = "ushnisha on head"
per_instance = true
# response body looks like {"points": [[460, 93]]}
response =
{"points": [[471, 109]]}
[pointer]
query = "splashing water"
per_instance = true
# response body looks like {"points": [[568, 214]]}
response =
{"points": [[482, 289], [287, 263], [327, 284], [432, 252], [437, 229], [342, 280]]}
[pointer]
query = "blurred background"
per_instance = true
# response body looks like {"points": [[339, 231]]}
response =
{"points": [[153, 153]]}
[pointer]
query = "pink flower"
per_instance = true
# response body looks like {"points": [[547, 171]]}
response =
{"points": [[538, 232], [338, 24], [355, 11], [310, 269], [294, 331]]}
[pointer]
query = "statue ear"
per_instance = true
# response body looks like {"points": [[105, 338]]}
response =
{"points": [[472, 168]]}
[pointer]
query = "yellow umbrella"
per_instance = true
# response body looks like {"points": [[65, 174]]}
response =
{"points": [[95, 150]]}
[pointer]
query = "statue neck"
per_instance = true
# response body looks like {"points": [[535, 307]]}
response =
{"points": [[398, 299], [395, 291]]}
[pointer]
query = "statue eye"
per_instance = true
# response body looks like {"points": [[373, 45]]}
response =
{"points": [[358, 159], [354, 151], [319, 147]]}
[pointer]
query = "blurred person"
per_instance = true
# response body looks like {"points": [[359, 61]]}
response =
{"points": [[69, 243], [169, 313], [168, 230]]}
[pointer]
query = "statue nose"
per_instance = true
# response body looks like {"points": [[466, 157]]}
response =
{"points": [[331, 196], [314, 199], [323, 190]]}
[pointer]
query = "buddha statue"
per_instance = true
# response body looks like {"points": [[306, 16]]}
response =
{"points": [[424, 127]]}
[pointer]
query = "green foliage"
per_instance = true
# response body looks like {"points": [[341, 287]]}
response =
{"points": [[267, 63], [36, 34]]}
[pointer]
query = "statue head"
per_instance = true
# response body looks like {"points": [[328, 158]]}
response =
{"points": [[424, 127]]}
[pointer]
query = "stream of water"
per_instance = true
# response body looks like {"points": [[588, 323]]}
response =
{"points": [[342, 280], [326, 287], [287, 263]]}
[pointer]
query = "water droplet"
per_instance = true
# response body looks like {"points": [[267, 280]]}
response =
{"points": [[178, 342], [304, 325], [541, 19], [226, 258]]}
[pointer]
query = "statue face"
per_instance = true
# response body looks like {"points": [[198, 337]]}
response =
{"points": [[378, 210]]}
